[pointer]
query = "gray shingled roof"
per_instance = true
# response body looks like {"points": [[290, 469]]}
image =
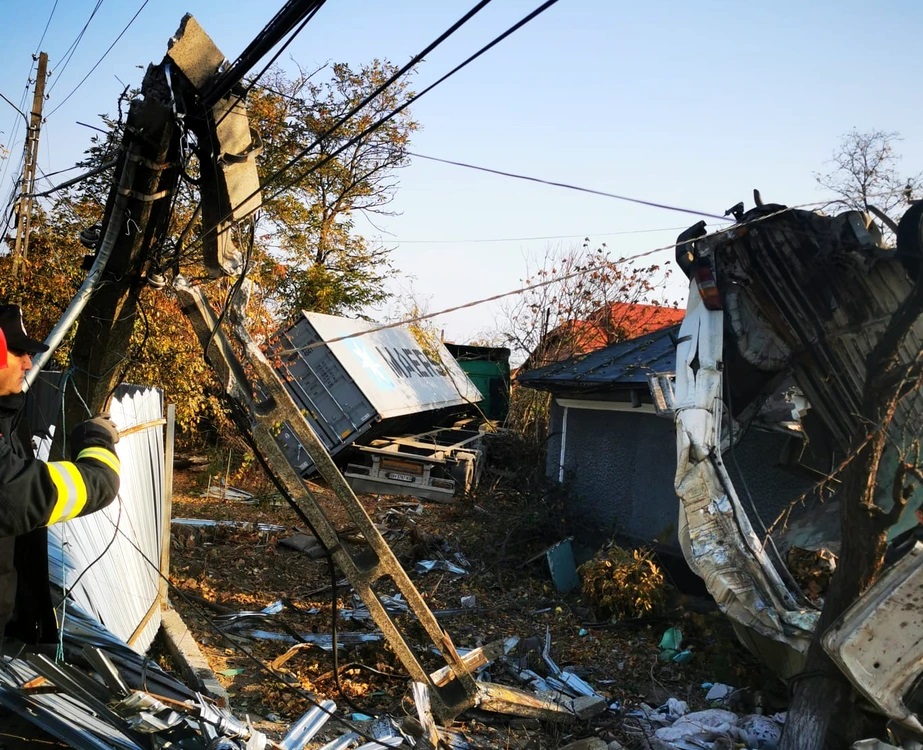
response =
{"points": [[626, 364]]}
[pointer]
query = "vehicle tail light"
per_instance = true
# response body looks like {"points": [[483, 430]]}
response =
{"points": [[708, 289]]}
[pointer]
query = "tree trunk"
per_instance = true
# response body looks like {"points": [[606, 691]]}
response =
{"points": [[822, 711]]}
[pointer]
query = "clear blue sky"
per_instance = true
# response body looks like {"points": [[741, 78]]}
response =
{"points": [[685, 103]]}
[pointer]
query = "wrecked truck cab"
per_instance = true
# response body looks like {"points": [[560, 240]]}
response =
{"points": [[788, 297]]}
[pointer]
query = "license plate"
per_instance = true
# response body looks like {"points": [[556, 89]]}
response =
{"points": [[400, 477]]}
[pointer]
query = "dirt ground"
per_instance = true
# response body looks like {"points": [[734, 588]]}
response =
{"points": [[493, 536]]}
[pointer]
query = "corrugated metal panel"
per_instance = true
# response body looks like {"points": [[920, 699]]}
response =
{"points": [[111, 558], [627, 363], [391, 368]]}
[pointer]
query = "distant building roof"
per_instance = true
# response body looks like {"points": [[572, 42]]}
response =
{"points": [[611, 323], [632, 320], [623, 365]]}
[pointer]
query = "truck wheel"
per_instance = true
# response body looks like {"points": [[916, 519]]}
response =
{"points": [[910, 240]]}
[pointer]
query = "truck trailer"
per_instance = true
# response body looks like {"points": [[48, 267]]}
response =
{"points": [[394, 408]]}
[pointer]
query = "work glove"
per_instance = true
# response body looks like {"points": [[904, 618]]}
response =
{"points": [[98, 431]]}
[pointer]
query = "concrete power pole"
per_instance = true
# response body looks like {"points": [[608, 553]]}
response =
{"points": [[24, 211]]}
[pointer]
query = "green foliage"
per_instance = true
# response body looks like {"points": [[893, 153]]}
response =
{"points": [[310, 230], [623, 584], [307, 254]]}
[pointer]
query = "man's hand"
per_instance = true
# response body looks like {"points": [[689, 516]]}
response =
{"points": [[100, 427], [104, 421]]}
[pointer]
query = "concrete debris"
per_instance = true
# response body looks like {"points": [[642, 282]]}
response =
{"points": [[321, 640], [238, 620], [118, 698], [395, 605], [675, 708], [222, 492], [303, 730], [761, 732], [305, 543], [564, 680]]}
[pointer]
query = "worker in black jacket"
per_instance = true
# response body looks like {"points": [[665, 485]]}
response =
{"points": [[35, 494]]}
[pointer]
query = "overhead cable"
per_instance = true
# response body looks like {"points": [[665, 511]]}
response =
{"points": [[382, 121], [399, 73], [75, 180], [290, 15], [351, 113], [591, 268], [249, 86], [38, 46], [11, 143], [629, 199], [96, 65], [69, 54], [585, 235]]}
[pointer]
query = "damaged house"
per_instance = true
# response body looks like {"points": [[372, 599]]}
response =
{"points": [[612, 440]]}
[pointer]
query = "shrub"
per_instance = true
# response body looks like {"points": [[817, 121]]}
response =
{"points": [[622, 584]]}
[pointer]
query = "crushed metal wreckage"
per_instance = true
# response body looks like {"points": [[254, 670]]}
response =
{"points": [[788, 297], [101, 691]]}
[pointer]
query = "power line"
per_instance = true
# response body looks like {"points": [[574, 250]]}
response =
{"points": [[292, 13], [364, 102], [79, 178], [586, 235], [14, 132], [45, 30], [69, 53], [382, 121], [629, 199], [557, 279], [96, 65]]}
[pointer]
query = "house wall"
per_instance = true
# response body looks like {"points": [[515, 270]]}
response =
{"points": [[620, 467]]}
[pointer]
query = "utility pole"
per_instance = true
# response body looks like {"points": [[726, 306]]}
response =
{"points": [[24, 211]]}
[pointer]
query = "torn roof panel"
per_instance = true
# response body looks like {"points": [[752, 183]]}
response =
{"points": [[626, 364], [113, 555]]}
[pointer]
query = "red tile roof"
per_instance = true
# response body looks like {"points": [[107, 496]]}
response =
{"points": [[610, 324], [628, 320]]}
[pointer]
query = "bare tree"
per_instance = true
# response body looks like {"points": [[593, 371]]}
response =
{"points": [[863, 174], [581, 300]]}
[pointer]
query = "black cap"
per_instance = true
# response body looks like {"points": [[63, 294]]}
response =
{"points": [[17, 340]]}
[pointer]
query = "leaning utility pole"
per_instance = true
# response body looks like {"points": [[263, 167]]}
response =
{"points": [[137, 213], [24, 210]]}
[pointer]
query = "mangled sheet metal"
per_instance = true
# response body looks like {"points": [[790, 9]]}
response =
{"points": [[116, 699], [716, 535], [782, 293], [878, 642], [109, 560]]}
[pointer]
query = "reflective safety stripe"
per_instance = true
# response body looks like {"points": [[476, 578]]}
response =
{"points": [[103, 455], [72, 492]]}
